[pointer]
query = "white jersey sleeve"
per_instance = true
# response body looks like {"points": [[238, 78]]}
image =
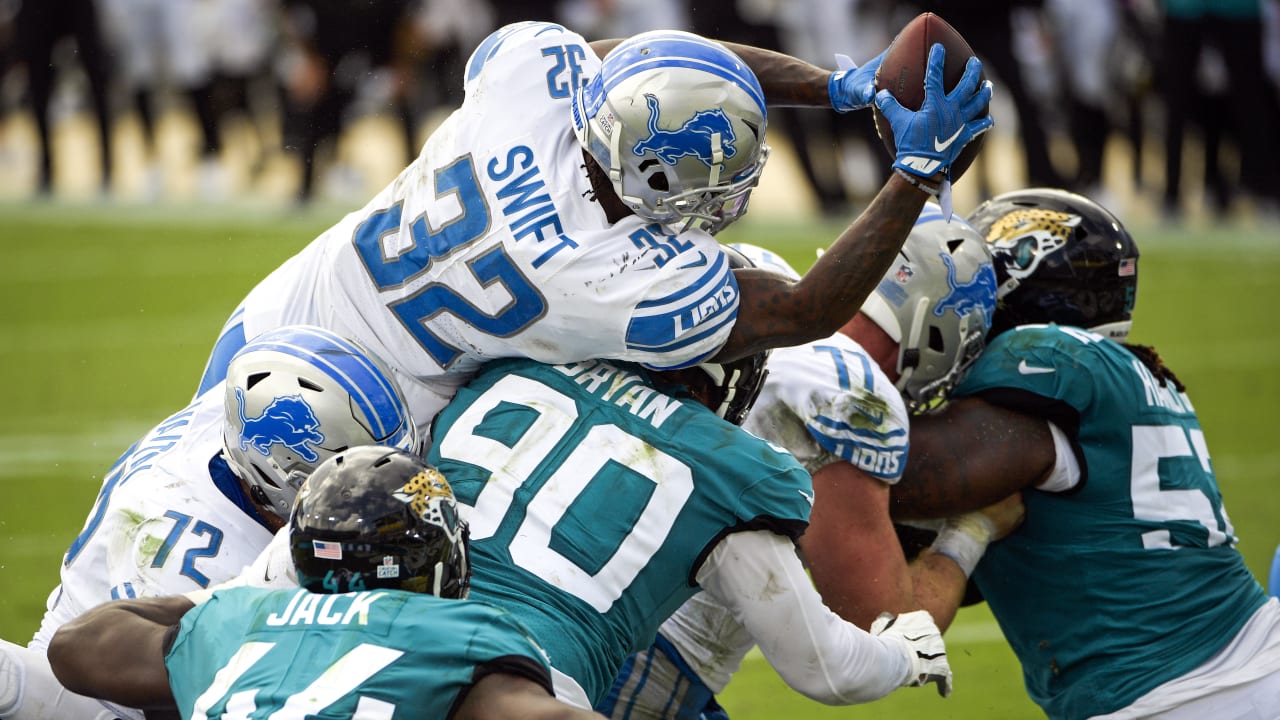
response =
{"points": [[815, 651], [828, 401], [164, 523], [491, 244]]}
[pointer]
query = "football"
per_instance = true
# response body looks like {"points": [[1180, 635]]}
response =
{"points": [[902, 73]]}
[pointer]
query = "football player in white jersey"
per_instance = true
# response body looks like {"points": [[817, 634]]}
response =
{"points": [[841, 407], [567, 211], [195, 500]]}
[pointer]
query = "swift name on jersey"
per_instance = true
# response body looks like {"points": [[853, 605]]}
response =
{"points": [[529, 208]]}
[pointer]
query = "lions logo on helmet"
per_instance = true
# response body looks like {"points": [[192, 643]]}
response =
{"points": [[707, 135], [1024, 238], [977, 295], [698, 166], [288, 421]]}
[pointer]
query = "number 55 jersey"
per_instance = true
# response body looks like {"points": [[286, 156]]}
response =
{"points": [[1130, 578], [491, 244]]}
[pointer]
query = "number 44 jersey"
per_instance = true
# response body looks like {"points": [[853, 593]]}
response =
{"points": [[491, 244], [1130, 578], [246, 652]]}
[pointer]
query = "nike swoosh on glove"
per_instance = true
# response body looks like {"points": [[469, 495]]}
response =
{"points": [[925, 648], [929, 140]]}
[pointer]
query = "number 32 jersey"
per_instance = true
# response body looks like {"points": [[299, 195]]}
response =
{"points": [[1131, 578], [490, 245]]}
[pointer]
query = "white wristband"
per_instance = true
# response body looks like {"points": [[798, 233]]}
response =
{"points": [[963, 539]]}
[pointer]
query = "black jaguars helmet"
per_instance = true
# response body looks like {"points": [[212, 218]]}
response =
{"points": [[1059, 258], [737, 383], [377, 517]]}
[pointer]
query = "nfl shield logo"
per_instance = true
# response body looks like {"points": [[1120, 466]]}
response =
{"points": [[904, 274]]}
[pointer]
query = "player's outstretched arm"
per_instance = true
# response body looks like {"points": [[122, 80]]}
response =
{"points": [[818, 654], [502, 696], [969, 455], [116, 651], [790, 81], [856, 560], [776, 312]]}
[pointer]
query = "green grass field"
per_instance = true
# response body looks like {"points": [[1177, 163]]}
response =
{"points": [[109, 314]]}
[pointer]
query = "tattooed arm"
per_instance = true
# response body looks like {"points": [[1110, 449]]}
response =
{"points": [[969, 455], [776, 312]]}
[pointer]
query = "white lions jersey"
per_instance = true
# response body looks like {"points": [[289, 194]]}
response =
{"points": [[828, 401], [824, 402], [170, 518], [490, 244]]}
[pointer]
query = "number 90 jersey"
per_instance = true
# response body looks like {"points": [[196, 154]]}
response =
{"points": [[1130, 579], [594, 498], [490, 244]]}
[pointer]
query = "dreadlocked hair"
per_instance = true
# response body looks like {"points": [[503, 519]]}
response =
{"points": [[1151, 359]]}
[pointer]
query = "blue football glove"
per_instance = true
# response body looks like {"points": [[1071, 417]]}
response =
{"points": [[852, 87], [929, 140]]}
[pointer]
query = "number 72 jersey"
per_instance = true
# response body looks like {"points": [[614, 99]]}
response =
{"points": [[1131, 578], [490, 244], [170, 518]]}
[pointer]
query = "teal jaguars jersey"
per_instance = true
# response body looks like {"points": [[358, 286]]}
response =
{"points": [[1130, 579], [255, 653], [594, 497]]}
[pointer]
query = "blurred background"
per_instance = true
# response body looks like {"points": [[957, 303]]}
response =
{"points": [[159, 157], [1164, 110]]}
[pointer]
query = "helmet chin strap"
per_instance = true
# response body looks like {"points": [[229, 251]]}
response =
{"points": [[717, 160]]}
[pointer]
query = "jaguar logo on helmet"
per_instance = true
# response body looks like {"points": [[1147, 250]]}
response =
{"points": [[1026, 237], [426, 494], [976, 295], [288, 421], [708, 136]]}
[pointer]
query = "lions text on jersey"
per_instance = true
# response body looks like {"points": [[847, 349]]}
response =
{"points": [[489, 245]]}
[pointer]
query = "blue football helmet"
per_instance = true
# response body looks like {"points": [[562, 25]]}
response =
{"points": [[937, 301], [299, 394], [678, 123]]}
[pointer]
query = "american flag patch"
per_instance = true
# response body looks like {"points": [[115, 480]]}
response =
{"points": [[1128, 267], [327, 550]]}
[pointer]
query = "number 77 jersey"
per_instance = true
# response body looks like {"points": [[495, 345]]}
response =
{"points": [[491, 244], [1130, 578]]}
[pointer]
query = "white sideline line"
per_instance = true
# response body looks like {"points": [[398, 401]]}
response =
{"points": [[21, 456]]}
